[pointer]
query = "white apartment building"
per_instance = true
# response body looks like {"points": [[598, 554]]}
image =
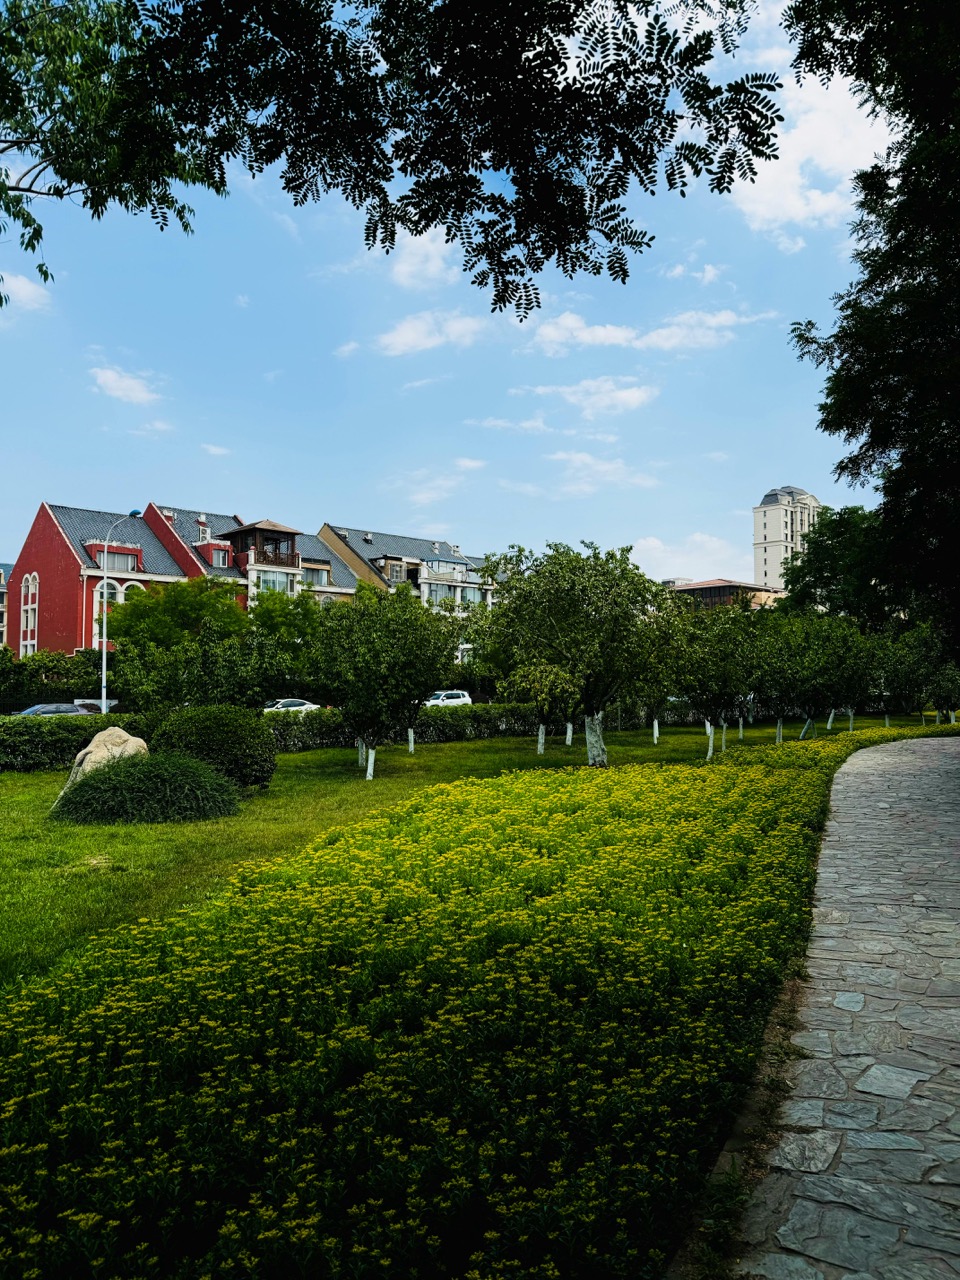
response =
{"points": [[780, 524]]}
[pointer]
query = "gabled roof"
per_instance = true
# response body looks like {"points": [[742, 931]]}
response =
{"points": [[313, 549], [371, 546], [81, 526], [5, 571], [186, 525], [723, 582]]}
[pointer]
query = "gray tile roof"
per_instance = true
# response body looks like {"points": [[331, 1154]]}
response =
{"points": [[312, 548], [397, 544], [6, 570], [81, 526], [185, 525]]}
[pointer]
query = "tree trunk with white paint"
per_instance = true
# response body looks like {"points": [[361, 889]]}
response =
{"points": [[886, 719], [656, 730], [371, 756], [779, 732], [953, 717], [706, 727], [541, 737], [723, 736], [937, 721], [803, 731], [596, 750], [410, 741], [709, 741], [569, 733], [851, 719], [361, 752], [740, 728], [830, 719]]}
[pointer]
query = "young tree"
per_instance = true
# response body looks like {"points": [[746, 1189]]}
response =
{"points": [[903, 669], [584, 613], [518, 129], [721, 666], [551, 690], [380, 657], [945, 691]]}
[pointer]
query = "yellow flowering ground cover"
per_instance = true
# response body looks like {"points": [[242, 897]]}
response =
{"points": [[495, 1032]]}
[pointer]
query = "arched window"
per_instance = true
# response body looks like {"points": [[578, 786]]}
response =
{"points": [[29, 599], [132, 586], [112, 597]]}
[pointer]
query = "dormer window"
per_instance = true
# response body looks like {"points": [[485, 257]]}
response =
{"points": [[220, 558], [119, 561]]}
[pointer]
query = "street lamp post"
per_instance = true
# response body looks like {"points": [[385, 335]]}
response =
{"points": [[103, 613]]}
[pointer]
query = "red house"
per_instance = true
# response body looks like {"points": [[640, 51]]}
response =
{"points": [[56, 585]]}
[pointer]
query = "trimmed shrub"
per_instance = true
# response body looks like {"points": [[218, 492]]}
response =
{"points": [[164, 787], [31, 743], [234, 740]]}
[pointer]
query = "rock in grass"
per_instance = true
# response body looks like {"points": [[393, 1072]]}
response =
{"points": [[108, 745]]}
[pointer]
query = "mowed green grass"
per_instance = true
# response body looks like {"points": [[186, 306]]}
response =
{"points": [[60, 885]]}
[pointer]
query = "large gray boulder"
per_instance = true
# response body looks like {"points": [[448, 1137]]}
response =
{"points": [[109, 744]]}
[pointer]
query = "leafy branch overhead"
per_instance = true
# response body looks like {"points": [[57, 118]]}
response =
{"points": [[520, 128]]}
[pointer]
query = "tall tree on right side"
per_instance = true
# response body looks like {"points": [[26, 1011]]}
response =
{"points": [[892, 390]]}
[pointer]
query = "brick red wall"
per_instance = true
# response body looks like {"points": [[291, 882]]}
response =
{"points": [[47, 553], [154, 519]]}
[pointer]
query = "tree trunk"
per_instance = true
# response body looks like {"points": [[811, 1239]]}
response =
{"points": [[569, 733], [779, 732], [371, 756], [803, 731], [656, 731], [830, 719], [541, 735], [723, 736], [361, 752], [410, 741], [740, 733], [709, 741], [886, 719], [953, 717], [706, 727], [596, 751], [851, 719], [937, 721]]}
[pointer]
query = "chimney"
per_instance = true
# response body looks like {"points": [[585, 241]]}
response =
{"points": [[368, 537]]}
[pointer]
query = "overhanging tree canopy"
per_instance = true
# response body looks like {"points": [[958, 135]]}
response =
{"points": [[519, 127]]}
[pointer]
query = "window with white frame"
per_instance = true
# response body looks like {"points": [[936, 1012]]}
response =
{"points": [[112, 596], [29, 600], [316, 577], [119, 561], [132, 586], [271, 580], [397, 573], [220, 558]]}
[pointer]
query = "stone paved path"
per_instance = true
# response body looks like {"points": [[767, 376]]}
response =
{"points": [[865, 1183]]}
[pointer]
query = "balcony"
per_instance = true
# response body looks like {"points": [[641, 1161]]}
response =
{"points": [[272, 555]]}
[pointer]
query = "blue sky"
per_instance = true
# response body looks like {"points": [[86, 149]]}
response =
{"points": [[270, 366]]}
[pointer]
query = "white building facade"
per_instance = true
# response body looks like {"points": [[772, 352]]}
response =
{"points": [[780, 524]]}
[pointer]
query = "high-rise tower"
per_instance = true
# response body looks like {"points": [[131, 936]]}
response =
{"points": [[780, 524]]}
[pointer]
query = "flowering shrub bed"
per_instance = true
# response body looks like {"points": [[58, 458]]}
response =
{"points": [[493, 1033]]}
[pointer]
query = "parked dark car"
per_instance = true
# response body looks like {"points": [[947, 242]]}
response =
{"points": [[56, 709]]}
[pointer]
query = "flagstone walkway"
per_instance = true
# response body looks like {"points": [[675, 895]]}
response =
{"points": [[865, 1181]]}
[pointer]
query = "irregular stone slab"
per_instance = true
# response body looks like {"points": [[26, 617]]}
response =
{"points": [[779, 1266], [836, 1234], [802, 1113], [852, 1000], [914, 1116], [816, 1079], [890, 1082], [806, 1152], [882, 1142], [907, 1206], [851, 1115]]}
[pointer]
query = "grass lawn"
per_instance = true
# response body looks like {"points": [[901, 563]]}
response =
{"points": [[61, 884]]}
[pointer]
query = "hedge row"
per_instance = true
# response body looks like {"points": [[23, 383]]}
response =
{"points": [[31, 743], [495, 1032]]}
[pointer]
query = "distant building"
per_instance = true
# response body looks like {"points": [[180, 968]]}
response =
{"points": [[437, 570], [717, 591], [780, 523], [5, 572]]}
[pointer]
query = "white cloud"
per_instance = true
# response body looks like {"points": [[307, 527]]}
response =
{"points": [[288, 224], [699, 556], [155, 428], [422, 262], [717, 456], [708, 275], [241, 300], [690, 330], [124, 386], [596, 396], [675, 272], [529, 426], [585, 474], [216, 450], [424, 382], [556, 336], [428, 329], [469, 464], [347, 349], [24, 293], [825, 138], [523, 487], [432, 484]]}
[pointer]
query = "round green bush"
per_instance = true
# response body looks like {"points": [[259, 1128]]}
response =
{"points": [[234, 740], [164, 787]]}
